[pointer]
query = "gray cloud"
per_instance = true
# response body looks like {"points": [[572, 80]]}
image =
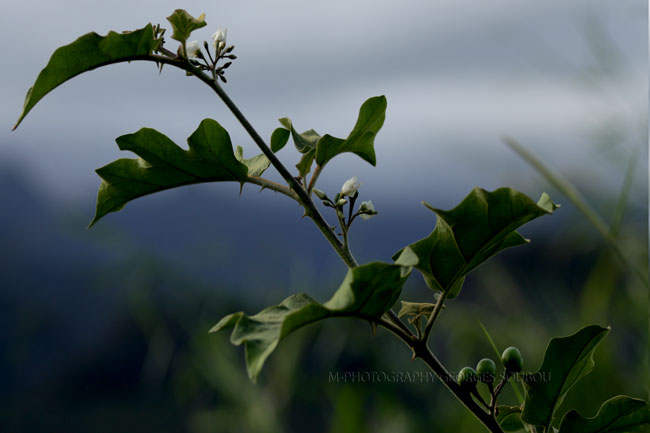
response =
{"points": [[457, 74]]}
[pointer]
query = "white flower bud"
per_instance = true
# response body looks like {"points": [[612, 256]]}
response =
{"points": [[350, 187], [367, 210], [193, 49], [219, 37], [341, 202]]}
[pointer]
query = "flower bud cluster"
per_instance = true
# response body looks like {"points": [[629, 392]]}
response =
{"points": [[206, 58], [348, 194]]}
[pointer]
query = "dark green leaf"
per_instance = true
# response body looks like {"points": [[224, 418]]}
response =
{"points": [[304, 142], [367, 292], [509, 418], [361, 140], [566, 360], [87, 53], [304, 165], [279, 139], [483, 224], [256, 165], [184, 24], [620, 414], [163, 165]]}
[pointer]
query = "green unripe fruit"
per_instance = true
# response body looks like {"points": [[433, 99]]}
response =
{"points": [[486, 370], [467, 377], [512, 360]]}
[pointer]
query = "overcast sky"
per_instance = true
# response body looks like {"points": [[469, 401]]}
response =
{"points": [[458, 74]]}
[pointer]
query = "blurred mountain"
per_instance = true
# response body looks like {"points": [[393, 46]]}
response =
{"points": [[90, 319]]}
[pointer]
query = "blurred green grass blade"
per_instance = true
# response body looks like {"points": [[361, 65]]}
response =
{"points": [[580, 203], [624, 195]]}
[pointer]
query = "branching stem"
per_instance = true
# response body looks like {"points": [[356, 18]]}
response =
{"points": [[392, 322]]}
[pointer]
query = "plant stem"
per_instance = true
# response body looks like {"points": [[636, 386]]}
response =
{"points": [[268, 184], [434, 315], [396, 320], [314, 178]]}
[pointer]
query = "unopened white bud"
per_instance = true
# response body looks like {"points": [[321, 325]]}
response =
{"points": [[193, 49], [367, 210], [219, 37], [350, 187]]}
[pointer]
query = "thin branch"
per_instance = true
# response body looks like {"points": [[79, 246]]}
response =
{"points": [[434, 315], [396, 320], [268, 184], [405, 336], [314, 178]]}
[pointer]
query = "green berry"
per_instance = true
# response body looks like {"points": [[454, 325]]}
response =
{"points": [[486, 370], [512, 360], [467, 377]]}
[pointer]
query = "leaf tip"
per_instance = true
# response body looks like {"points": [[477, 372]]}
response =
{"points": [[94, 221], [428, 206], [547, 204]]}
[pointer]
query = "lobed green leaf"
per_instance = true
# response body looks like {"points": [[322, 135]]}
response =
{"points": [[322, 149], [163, 165], [367, 292], [617, 415], [183, 24], [566, 360], [482, 225], [87, 53], [362, 138]]}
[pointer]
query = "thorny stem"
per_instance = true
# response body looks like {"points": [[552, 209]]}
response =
{"points": [[268, 184], [418, 346]]}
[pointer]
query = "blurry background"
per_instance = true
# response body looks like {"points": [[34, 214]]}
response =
{"points": [[106, 329]]}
